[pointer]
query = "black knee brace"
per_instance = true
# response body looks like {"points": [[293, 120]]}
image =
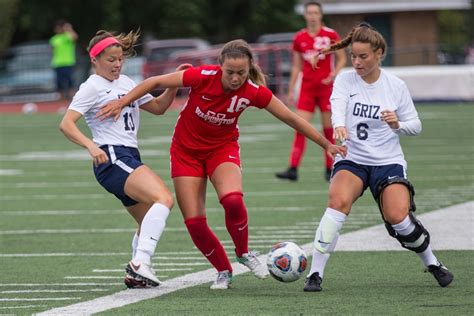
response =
{"points": [[400, 180], [417, 241]]}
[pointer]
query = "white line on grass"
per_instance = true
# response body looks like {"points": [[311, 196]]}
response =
{"points": [[438, 222], [41, 299], [10, 172], [158, 270], [51, 291], [89, 254], [21, 306], [108, 212], [183, 264], [269, 241], [120, 230], [104, 195], [93, 277], [58, 284]]}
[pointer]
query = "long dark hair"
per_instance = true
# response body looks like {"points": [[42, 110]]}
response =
{"points": [[241, 49], [362, 33]]}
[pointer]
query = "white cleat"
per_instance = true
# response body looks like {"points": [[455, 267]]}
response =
{"points": [[251, 261], [223, 281], [141, 270]]}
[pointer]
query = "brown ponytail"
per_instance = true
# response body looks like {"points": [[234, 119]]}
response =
{"points": [[241, 49], [127, 41], [362, 33]]}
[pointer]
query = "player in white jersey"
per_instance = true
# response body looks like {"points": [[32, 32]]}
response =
{"points": [[114, 149], [370, 109]]}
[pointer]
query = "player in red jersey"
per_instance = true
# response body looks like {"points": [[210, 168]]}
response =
{"points": [[204, 145], [316, 86]]}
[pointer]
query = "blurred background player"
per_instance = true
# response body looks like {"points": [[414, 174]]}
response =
{"points": [[370, 109], [114, 149], [63, 45], [205, 145], [316, 86]]}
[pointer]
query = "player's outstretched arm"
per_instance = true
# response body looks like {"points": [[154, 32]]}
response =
{"points": [[161, 104], [281, 112], [113, 108]]}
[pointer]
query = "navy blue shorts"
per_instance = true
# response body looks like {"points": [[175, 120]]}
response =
{"points": [[371, 176], [113, 174], [64, 78]]}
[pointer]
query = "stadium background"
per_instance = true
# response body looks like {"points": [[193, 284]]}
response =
{"points": [[64, 240]]}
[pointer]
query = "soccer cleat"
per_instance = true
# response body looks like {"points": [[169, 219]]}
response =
{"points": [[142, 271], [251, 261], [327, 174], [313, 283], [223, 281], [441, 274], [290, 174], [134, 283]]}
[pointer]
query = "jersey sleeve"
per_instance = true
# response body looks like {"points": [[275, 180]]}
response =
{"points": [[409, 121], [84, 99], [263, 97], [339, 100], [192, 77], [145, 99], [296, 44]]}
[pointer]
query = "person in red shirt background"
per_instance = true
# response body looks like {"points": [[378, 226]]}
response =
{"points": [[316, 86], [205, 145]]}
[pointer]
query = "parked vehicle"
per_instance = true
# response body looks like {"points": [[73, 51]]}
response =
{"points": [[284, 41], [26, 68], [133, 68], [272, 58], [157, 53], [276, 38]]}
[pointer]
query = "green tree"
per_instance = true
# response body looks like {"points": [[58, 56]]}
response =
{"points": [[214, 20], [8, 15], [225, 20]]}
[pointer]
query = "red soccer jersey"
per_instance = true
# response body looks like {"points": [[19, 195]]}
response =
{"points": [[209, 118], [308, 46]]}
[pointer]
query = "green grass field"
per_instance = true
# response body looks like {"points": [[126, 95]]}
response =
{"points": [[64, 239]]}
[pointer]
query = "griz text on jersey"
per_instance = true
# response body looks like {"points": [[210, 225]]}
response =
{"points": [[366, 110]]}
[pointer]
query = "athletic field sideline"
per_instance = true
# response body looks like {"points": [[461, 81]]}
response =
{"points": [[64, 240]]}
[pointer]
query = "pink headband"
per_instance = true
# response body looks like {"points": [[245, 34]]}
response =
{"points": [[101, 45]]}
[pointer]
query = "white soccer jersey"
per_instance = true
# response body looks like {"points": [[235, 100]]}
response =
{"points": [[96, 92], [357, 105]]}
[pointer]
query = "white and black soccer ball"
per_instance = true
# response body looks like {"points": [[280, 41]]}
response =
{"points": [[286, 261]]}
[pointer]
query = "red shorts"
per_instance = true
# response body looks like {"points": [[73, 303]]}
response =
{"points": [[185, 163], [315, 95]]}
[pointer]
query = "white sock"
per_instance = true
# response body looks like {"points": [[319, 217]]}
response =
{"points": [[406, 227], [134, 244], [151, 229], [428, 257], [325, 239]]}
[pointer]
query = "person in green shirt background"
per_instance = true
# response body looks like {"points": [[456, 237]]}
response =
{"points": [[63, 44]]}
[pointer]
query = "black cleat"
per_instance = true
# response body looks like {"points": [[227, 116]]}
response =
{"points": [[441, 274], [134, 283], [313, 283], [290, 174], [327, 174]]}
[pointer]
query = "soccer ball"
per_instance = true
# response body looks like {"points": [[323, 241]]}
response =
{"points": [[286, 261]]}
